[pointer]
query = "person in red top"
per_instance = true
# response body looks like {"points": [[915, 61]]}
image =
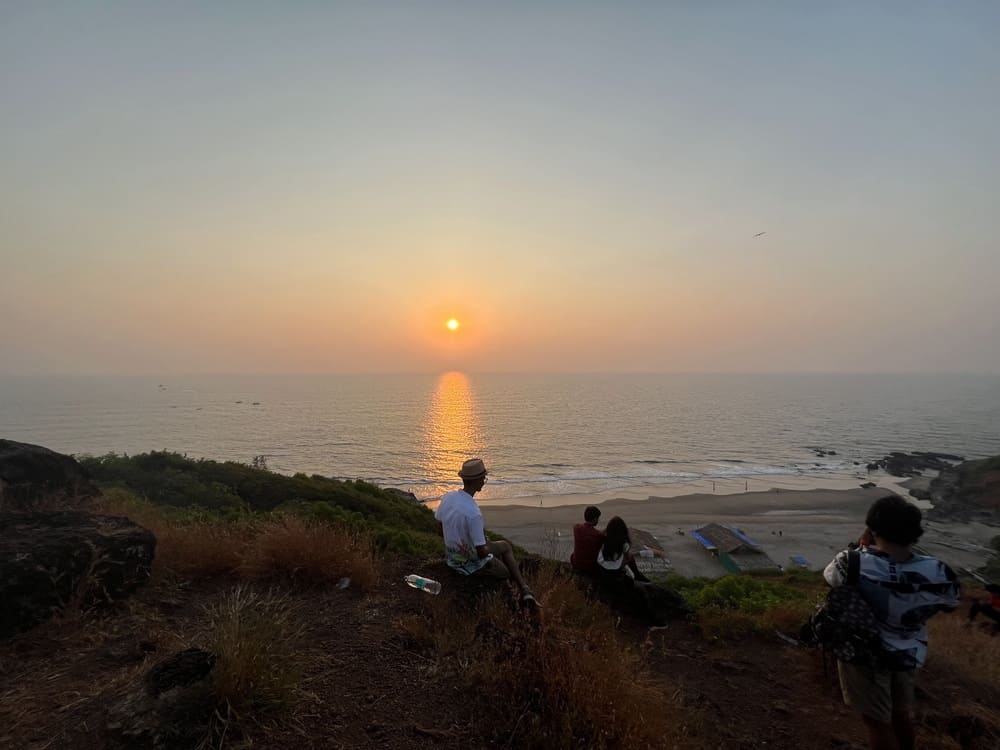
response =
{"points": [[587, 540]]}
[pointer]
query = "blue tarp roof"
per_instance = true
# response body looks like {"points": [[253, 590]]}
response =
{"points": [[702, 540], [744, 538], [799, 560]]}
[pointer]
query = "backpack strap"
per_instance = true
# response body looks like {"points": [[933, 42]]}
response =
{"points": [[853, 567]]}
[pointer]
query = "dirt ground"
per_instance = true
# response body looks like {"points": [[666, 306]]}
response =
{"points": [[365, 687]]}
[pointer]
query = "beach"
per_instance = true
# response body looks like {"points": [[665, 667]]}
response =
{"points": [[814, 524]]}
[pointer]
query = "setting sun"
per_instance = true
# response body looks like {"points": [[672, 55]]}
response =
{"points": [[452, 324]]}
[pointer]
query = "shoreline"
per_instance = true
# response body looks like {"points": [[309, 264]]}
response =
{"points": [[777, 483], [812, 523]]}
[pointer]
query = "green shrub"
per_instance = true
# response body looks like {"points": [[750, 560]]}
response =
{"points": [[744, 594], [232, 491]]}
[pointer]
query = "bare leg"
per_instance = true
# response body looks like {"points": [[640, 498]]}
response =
{"points": [[503, 551]]}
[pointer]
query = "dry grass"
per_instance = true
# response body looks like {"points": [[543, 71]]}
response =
{"points": [[971, 654], [312, 553], [255, 637], [568, 682], [289, 548]]}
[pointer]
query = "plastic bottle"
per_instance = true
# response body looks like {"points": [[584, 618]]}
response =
{"points": [[424, 584]]}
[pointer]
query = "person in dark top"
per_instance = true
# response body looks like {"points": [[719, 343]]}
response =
{"points": [[587, 541]]}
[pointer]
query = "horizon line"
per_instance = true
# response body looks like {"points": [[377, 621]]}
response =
{"points": [[331, 373]]}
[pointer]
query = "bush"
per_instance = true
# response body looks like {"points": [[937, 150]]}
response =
{"points": [[739, 605], [172, 479], [744, 594], [195, 543], [311, 552], [189, 542], [569, 683]]}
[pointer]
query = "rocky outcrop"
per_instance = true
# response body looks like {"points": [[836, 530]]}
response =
{"points": [[50, 559], [170, 709], [31, 475], [968, 492], [900, 464]]}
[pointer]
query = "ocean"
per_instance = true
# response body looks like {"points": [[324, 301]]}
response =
{"points": [[543, 436]]}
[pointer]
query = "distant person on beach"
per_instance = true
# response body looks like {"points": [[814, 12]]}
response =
{"points": [[991, 608], [587, 541], [461, 525], [904, 591]]}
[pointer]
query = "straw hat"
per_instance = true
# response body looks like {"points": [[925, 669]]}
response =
{"points": [[473, 469]]}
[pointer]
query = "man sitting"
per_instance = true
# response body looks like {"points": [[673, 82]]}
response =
{"points": [[461, 525], [587, 541]]}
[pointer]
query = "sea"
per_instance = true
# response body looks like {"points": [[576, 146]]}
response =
{"points": [[543, 437]]}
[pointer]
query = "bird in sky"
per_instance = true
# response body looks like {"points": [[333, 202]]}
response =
{"points": [[759, 234]]}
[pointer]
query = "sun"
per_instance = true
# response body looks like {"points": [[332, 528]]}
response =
{"points": [[452, 324]]}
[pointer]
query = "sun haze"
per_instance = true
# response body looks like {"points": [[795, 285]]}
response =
{"points": [[315, 188], [452, 324]]}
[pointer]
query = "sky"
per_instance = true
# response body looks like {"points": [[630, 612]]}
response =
{"points": [[319, 187]]}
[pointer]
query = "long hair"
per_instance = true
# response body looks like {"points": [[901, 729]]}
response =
{"points": [[615, 538]]}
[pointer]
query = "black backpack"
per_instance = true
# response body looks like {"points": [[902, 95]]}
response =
{"points": [[844, 623]]}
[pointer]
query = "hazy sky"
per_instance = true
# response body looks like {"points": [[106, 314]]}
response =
{"points": [[258, 187]]}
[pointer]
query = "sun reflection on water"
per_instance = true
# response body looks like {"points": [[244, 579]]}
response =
{"points": [[451, 430]]}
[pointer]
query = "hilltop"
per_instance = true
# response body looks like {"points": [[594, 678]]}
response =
{"points": [[319, 643]]}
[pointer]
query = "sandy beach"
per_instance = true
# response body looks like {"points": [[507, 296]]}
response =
{"points": [[814, 524]]}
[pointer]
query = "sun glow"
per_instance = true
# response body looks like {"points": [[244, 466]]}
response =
{"points": [[452, 324]]}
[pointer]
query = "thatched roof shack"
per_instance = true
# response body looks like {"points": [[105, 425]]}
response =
{"points": [[736, 551]]}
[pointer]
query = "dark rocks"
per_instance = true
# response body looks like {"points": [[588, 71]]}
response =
{"points": [[180, 670], [171, 709], [49, 559], [820, 452], [920, 494], [868, 485], [900, 464], [31, 474], [968, 492]]}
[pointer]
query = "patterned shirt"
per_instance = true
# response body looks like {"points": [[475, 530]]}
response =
{"points": [[462, 524], [903, 596]]}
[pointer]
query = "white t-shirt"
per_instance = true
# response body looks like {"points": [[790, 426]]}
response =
{"points": [[462, 523], [614, 564]]}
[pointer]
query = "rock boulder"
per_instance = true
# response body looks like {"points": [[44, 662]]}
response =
{"points": [[170, 710], [31, 474], [49, 559]]}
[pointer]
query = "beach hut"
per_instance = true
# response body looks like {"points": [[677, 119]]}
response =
{"points": [[736, 551], [650, 556]]}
